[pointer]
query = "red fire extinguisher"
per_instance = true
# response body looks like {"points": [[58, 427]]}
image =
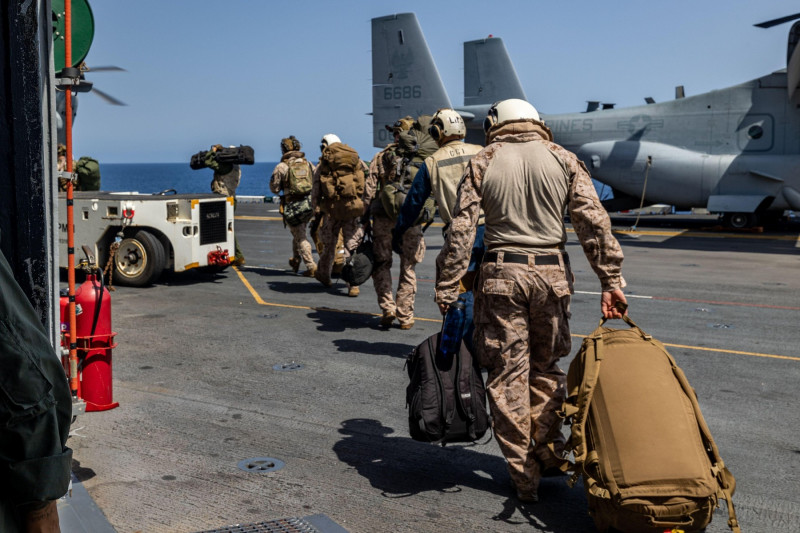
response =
{"points": [[95, 340]]}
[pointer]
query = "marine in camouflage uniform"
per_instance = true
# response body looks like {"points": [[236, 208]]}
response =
{"points": [[301, 246], [226, 179], [330, 231], [315, 227], [525, 282], [381, 170], [439, 177]]}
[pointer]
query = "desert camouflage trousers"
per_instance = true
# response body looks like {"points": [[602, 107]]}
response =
{"points": [[521, 331], [413, 252], [301, 246], [316, 235], [329, 234]]}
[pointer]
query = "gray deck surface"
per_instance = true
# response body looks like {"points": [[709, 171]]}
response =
{"points": [[194, 377]]}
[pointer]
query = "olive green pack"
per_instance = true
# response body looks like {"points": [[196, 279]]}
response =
{"points": [[639, 440], [341, 179], [414, 146], [298, 178], [88, 171]]}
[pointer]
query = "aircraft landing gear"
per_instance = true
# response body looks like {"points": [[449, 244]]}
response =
{"points": [[739, 220]]}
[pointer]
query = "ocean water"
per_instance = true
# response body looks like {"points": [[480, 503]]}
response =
{"points": [[150, 178]]}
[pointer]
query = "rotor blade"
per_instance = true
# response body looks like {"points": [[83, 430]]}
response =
{"points": [[107, 97], [771, 23], [107, 68]]}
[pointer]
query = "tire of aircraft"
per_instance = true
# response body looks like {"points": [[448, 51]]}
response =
{"points": [[739, 220], [139, 261]]}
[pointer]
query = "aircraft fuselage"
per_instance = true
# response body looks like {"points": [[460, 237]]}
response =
{"points": [[731, 150]]}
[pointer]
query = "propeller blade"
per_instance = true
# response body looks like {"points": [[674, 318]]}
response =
{"points": [[107, 97], [775, 22], [107, 68]]}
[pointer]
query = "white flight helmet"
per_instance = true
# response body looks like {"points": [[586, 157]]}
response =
{"points": [[328, 140], [511, 109], [447, 124]]}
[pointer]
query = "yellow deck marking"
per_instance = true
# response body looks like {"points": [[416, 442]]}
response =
{"points": [[261, 301], [279, 219], [719, 350], [708, 235], [245, 217], [702, 234], [683, 233]]}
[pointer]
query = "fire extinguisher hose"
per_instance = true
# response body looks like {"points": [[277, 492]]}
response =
{"points": [[98, 301]]}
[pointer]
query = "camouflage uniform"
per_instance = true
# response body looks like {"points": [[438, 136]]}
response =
{"points": [[330, 231], [522, 309], [301, 247], [316, 225], [226, 176], [226, 180], [383, 165]]}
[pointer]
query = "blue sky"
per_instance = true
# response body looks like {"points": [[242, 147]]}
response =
{"points": [[252, 71]]}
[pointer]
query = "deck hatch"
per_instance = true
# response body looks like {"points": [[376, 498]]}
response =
{"points": [[282, 525], [318, 523], [260, 464], [287, 367]]}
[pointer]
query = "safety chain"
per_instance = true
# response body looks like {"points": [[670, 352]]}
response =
{"points": [[108, 271]]}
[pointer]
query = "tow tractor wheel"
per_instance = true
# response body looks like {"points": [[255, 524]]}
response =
{"points": [[739, 220], [139, 260]]}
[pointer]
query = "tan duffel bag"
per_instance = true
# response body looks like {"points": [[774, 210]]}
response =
{"points": [[645, 453]]}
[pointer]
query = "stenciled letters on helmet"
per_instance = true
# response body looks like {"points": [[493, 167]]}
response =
{"points": [[446, 125]]}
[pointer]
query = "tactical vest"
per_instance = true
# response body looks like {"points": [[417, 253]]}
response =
{"points": [[341, 179], [446, 167]]}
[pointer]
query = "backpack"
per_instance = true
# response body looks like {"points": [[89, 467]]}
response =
{"points": [[647, 458], [298, 212], [298, 177], [414, 146], [88, 171], [243, 155], [198, 160], [341, 179], [358, 268], [446, 397]]}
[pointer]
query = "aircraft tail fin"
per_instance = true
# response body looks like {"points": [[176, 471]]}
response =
{"points": [[489, 74], [792, 52], [405, 80]]}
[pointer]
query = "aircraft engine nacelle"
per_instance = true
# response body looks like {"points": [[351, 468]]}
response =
{"points": [[674, 175]]}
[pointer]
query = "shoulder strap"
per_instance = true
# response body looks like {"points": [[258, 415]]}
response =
{"points": [[463, 375]]}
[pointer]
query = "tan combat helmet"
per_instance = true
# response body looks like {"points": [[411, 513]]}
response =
{"points": [[289, 144]]}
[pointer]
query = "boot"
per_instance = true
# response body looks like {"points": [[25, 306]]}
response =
{"points": [[525, 495], [318, 277], [352, 292], [311, 272], [407, 325], [387, 319], [294, 262]]}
